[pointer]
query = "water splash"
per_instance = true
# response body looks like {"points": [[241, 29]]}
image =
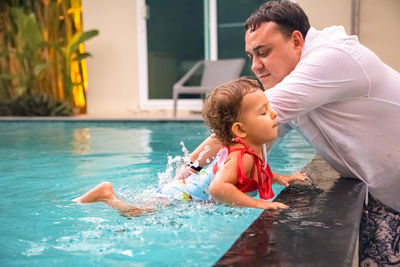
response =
{"points": [[196, 162], [174, 163], [185, 151]]}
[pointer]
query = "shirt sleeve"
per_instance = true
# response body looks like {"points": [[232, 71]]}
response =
{"points": [[322, 77]]}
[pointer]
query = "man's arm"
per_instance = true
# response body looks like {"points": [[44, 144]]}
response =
{"points": [[326, 76]]}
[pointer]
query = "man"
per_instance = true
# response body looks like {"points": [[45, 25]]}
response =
{"points": [[344, 100]]}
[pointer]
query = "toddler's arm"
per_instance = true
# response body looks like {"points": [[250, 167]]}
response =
{"points": [[223, 187], [215, 146]]}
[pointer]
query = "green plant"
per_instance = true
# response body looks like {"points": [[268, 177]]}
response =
{"points": [[28, 44], [69, 53], [34, 105], [39, 42]]}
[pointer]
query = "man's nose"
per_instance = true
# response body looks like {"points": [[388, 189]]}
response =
{"points": [[256, 64]]}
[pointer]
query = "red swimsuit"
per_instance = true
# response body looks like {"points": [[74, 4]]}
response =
{"points": [[248, 184]]}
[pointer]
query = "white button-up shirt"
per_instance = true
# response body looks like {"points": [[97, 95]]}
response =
{"points": [[346, 103]]}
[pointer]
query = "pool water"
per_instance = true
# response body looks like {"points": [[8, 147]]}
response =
{"points": [[44, 165]]}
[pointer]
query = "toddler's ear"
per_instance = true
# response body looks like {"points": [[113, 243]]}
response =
{"points": [[238, 130]]}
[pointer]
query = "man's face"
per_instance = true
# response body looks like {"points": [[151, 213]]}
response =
{"points": [[273, 55]]}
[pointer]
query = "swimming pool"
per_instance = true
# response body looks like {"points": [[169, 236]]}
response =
{"points": [[44, 165]]}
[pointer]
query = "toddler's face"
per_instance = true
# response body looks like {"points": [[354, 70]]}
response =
{"points": [[258, 118]]}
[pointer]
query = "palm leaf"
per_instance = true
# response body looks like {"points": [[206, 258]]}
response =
{"points": [[79, 38]]}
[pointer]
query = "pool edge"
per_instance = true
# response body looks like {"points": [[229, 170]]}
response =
{"points": [[305, 235]]}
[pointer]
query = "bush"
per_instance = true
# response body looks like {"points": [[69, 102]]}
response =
{"points": [[35, 105]]}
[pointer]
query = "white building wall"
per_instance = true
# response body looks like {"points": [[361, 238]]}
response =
{"points": [[379, 24], [113, 67], [327, 13], [380, 29]]}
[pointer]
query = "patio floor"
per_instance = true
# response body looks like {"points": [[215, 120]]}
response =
{"points": [[158, 115]]}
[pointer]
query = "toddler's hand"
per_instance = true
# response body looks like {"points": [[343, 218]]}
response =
{"points": [[298, 176], [268, 205], [286, 180], [184, 172]]}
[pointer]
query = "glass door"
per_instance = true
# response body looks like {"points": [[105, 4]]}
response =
{"points": [[232, 16], [181, 32], [175, 41]]}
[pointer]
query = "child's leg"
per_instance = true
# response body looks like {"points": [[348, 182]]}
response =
{"points": [[102, 192], [105, 193]]}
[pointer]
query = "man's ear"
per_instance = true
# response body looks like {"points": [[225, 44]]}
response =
{"points": [[298, 40], [238, 130]]}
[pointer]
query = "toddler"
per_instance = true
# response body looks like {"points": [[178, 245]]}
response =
{"points": [[239, 115]]}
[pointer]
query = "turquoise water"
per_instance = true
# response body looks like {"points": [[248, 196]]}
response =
{"points": [[44, 165]]}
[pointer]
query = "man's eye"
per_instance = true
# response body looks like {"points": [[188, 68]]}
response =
{"points": [[264, 53]]}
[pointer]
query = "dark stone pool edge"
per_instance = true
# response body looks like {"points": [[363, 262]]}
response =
{"points": [[320, 228]]}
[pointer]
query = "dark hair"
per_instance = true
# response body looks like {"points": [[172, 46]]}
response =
{"points": [[287, 15], [222, 107]]}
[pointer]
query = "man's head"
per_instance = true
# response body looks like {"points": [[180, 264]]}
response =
{"points": [[275, 36]]}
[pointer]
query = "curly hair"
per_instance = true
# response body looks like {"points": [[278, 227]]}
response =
{"points": [[287, 15], [222, 107]]}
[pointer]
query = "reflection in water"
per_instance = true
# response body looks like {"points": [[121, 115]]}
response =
{"points": [[81, 141], [108, 140], [105, 152]]}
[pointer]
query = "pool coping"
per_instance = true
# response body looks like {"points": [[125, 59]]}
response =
{"points": [[319, 229]]}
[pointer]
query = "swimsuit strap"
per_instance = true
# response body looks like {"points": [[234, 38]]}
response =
{"points": [[264, 174], [257, 163]]}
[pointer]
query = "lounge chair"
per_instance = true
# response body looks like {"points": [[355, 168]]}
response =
{"points": [[214, 73]]}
